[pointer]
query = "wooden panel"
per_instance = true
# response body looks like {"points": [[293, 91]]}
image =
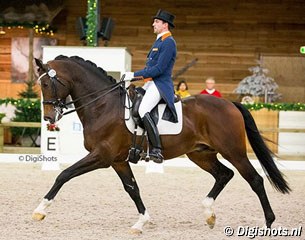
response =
{"points": [[266, 119], [10, 89], [225, 36], [289, 73]]}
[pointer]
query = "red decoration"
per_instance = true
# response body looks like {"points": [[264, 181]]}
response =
{"points": [[52, 127]]}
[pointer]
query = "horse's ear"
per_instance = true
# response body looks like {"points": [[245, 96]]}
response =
{"points": [[39, 63]]}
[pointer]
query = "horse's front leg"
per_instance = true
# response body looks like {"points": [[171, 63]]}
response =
{"points": [[87, 164], [125, 173]]}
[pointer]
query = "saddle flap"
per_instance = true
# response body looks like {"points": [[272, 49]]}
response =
{"points": [[164, 127]]}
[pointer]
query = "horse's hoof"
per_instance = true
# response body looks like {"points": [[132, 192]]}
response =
{"points": [[38, 216], [211, 221], [135, 231]]}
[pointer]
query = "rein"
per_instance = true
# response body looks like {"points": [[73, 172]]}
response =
{"points": [[113, 87], [59, 103]]}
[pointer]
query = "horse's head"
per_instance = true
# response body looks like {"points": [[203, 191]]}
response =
{"points": [[55, 88]]}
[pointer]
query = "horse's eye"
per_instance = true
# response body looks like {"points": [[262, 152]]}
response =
{"points": [[45, 84]]}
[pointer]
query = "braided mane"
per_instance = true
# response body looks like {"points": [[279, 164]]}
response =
{"points": [[87, 63]]}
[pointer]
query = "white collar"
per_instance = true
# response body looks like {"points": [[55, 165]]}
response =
{"points": [[161, 34], [210, 91]]}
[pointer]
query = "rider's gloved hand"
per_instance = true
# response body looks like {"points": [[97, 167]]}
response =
{"points": [[129, 76]]}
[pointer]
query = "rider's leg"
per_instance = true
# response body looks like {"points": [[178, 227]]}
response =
{"points": [[154, 139], [151, 98]]}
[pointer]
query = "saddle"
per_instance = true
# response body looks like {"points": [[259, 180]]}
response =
{"points": [[136, 95], [136, 151]]}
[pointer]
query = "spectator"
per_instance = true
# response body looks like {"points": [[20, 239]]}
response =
{"points": [[182, 89], [210, 88]]}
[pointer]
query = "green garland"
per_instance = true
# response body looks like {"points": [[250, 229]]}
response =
{"points": [[276, 106], [92, 23], [21, 102], [27, 110], [39, 27]]}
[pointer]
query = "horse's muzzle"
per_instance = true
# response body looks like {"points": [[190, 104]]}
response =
{"points": [[49, 119]]}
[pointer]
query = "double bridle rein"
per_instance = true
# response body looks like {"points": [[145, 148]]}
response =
{"points": [[60, 104]]}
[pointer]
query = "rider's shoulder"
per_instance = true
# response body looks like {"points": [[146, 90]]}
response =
{"points": [[169, 41]]}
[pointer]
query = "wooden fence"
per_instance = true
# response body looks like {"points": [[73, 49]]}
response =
{"points": [[14, 149]]}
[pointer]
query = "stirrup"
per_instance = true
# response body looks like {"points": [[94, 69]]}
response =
{"points": [[156, 156]]}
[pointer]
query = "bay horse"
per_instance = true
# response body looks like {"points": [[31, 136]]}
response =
{"points": [[210, 125]]}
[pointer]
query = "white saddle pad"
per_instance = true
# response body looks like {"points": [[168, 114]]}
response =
{"points": [[164, 127]]}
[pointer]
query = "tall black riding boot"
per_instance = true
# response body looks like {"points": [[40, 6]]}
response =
{"points": [[154, 138]]}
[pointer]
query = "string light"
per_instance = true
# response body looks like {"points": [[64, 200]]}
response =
{"points": [[39, 28], [276, 106], [2, 32], [92, 23]]}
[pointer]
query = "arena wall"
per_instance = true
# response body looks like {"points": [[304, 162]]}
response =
{"points": [[227, 37]]}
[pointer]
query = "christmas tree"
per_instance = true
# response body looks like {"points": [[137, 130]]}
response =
{"points": [[29, 92], [258, 84]]}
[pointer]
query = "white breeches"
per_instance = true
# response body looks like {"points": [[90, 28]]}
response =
{"points": [[151, 98]]}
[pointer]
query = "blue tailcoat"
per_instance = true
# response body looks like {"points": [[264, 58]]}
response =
{"points": [[159, 65]]}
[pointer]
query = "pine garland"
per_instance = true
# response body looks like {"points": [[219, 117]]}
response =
{"points": [[276, 106], [92, 23], [39, 28]]}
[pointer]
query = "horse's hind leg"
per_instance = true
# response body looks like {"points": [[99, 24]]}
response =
{"points": [[248, 172], [87, 164], [208, 161], [125, 173]]}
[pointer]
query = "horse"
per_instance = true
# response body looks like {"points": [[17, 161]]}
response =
{"points": [[210, 125]]}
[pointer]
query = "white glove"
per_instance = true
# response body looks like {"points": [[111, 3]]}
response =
{"points": [[128, 76]]}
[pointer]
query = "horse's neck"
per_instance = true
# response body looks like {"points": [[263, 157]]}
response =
{"points": [[81, 89], [85, 84]]}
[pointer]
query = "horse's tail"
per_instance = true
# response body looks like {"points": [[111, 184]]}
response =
{"points": [[262, 152]]}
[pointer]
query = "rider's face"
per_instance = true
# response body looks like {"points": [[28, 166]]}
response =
{"points": [[159, 26]]}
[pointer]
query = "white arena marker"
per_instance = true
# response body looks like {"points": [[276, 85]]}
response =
{"points": [[50, 148]]}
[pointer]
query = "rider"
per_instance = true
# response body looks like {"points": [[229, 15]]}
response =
{"points": [[157, 75]]}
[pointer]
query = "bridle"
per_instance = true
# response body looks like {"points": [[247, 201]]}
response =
{"points": [[60, 104], [57, 103]]}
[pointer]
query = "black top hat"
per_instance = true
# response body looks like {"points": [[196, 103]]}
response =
{"points": [[166, 17]]}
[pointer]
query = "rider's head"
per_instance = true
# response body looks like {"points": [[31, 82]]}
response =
{"points": [[163, 21], [160, 26]]}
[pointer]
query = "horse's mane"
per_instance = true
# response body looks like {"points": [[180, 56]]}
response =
{"points": [[88, 63]]}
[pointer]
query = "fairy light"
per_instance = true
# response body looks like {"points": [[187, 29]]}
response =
{"points": [[39, 28], [276, 106], [2, 32], [92, 23]]}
